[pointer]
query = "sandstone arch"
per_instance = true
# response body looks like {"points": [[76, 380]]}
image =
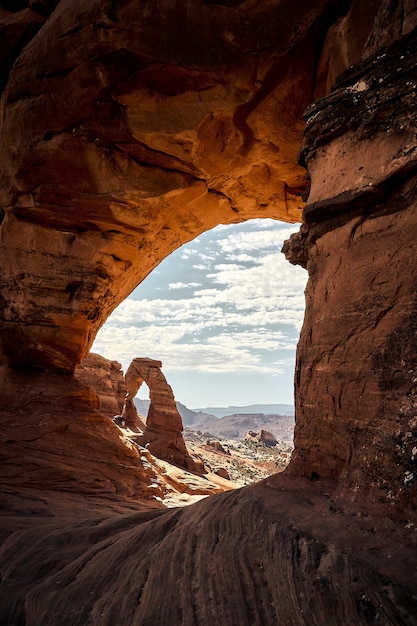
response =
{"points": [[154, 151], [163, 431], [134, 144], [95, 192]]}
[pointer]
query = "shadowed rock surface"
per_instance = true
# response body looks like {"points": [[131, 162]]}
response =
{"points": [[251, 556], [127, 130], [107, 378]]}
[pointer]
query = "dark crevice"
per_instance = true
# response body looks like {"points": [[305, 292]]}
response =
{"points": [[8, 60], [72, 288], [225, 3], [64, 72], [14, 6]]}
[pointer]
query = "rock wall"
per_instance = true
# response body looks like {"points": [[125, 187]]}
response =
{"points": [[107, 379], [356, 360]]}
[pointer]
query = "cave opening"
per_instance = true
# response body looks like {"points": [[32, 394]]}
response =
{"points": [[223, 314]]}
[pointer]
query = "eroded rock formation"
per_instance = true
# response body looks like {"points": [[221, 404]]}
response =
{"points": [[264, 436], [107, 379], [357, 350], [149, 136], [128, 129], [163, 430]]}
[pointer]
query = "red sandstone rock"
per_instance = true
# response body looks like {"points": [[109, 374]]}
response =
{"points": [[264, 436], [163, 431], [118, 146], [356, 359], [217, 447], [106, 378], [56, 438], [222, 472]]}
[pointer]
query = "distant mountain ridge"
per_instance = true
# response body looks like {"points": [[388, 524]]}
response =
{"points": [[266, 409], [235, 425], [188, 415]]}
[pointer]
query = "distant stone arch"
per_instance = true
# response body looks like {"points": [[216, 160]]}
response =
{"points": [[163, 430]]}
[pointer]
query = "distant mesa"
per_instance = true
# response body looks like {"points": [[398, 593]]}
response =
{"points": [[265, 409]]}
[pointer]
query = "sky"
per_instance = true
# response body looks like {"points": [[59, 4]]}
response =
{"points": [[223, 313]]}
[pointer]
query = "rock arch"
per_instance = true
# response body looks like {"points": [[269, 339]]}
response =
{"points": [[151, 144], [159, 142], [120, 147], [163, 431]]}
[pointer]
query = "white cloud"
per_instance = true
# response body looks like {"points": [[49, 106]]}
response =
{"points": [[254, 241], [243, 258], [207, 257], [182, 285], [223, 354], [189, 252]]}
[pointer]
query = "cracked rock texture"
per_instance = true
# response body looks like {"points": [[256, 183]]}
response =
{"points": [[128, 129]]}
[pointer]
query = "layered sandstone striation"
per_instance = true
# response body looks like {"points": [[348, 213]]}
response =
{"points": [[250, 556], [128, 129], [107, 379], [55, 436]]}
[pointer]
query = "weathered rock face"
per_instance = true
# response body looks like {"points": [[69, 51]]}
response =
{"points": [[107, 379], [138, 136], [163, 431], [54, 436], [356, 366]]}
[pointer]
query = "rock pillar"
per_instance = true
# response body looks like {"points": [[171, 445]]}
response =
{"points": [[356, 372]]}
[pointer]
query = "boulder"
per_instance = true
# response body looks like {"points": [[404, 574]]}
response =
{"points": [[222, 472]]}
